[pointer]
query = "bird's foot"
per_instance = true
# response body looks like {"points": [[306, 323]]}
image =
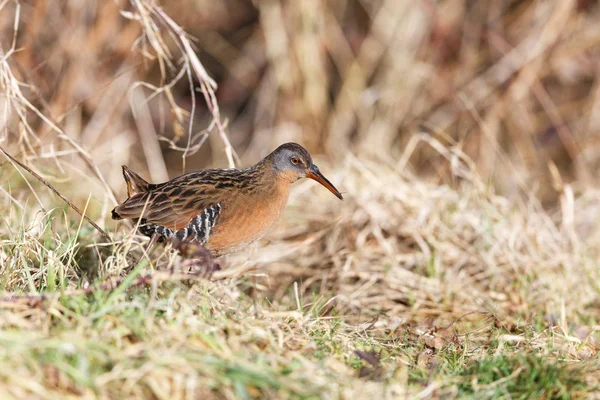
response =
{"points": [[198, 260], [199, 268]]}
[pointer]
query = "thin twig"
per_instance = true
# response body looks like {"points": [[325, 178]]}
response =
{"points": [[207, 84], [48, 185]]}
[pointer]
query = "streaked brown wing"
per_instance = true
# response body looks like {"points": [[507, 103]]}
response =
{"points": [[174, 203], [167, 205]]}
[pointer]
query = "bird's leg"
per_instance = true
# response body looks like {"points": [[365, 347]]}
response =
{"points": [[151, 244], [148, 248], [201, 262], [197, 257]]}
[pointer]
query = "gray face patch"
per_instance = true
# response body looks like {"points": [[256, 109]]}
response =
{"points": [[283, 155]]}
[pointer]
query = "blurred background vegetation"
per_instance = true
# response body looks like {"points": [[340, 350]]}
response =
{"points": [[439, 273], [511, 83]]}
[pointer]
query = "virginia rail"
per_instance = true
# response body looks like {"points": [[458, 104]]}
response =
{"points": [[223, 210]]}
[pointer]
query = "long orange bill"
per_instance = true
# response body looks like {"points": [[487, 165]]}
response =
{"points": [[314, 174]]}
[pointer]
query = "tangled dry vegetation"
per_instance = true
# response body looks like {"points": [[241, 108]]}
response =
{"points": [[463, 261]]}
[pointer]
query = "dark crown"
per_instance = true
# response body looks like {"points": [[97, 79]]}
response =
{"points": [[296, 148]]}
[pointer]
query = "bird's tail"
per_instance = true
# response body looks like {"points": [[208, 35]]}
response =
{"points": [[135, 185]]}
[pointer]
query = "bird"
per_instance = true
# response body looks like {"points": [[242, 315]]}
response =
{"points": [[221, 210]]}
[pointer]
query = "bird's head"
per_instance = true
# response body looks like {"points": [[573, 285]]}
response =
{"points": [[292, 162]]}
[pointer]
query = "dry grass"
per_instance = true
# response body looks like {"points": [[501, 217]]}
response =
{"points": [[463, 261], [437, 278]]}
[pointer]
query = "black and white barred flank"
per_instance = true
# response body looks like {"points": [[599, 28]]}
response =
{"points": [[198, 230]]}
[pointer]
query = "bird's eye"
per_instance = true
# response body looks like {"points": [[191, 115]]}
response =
{"points": [[295, 160]]}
